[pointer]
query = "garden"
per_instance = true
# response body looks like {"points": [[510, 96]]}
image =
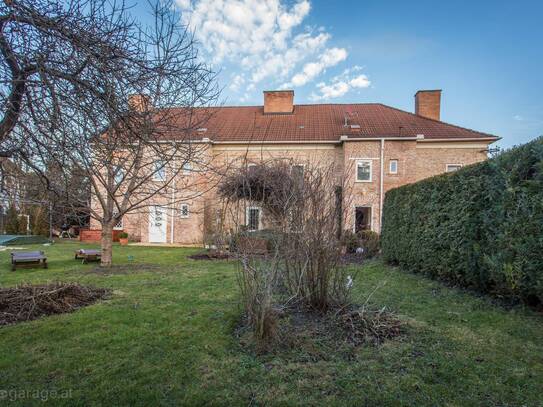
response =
{"points": [[168, 334]]}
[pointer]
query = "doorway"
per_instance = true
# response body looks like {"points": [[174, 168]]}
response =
{"points": [[157, 224], [362, 218]]}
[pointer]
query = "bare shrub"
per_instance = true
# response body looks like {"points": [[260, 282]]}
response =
{"points": [[311, 249], [304, 206], [258, 282]]}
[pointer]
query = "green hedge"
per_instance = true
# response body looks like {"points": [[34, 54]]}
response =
{"points": [[480, 227]]}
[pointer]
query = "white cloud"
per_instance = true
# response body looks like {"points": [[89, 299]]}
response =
{"points": [[330, 57], [341, 84], [361, 81], [265, 39], [237, 82]]}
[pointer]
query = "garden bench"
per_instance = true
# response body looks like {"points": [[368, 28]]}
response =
{"points": [[88, 255], [28, 259]]}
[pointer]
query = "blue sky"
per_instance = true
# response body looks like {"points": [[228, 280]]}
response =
{"points": [[486, 56]]}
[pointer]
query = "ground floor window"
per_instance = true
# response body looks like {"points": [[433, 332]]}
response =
{"points": [[362, 218], [184, 211], [119, 225], [253, 218]]}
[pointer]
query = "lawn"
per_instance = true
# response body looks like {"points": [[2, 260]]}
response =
{"points": [[165, 337]]}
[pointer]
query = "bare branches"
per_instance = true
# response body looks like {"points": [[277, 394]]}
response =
{"points": [[108, 97]]}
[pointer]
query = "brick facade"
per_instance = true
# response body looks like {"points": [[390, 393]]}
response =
{"points": [[415, 160], [372, 135]]}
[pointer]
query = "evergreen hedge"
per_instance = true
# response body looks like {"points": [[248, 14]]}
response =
{"points": [[480, 227]]}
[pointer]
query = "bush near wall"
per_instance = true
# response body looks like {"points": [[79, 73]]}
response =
{"points": [[480, 227]]}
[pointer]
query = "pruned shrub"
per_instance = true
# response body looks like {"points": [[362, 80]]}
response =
{"points": [[480, 227], [304, 253]]}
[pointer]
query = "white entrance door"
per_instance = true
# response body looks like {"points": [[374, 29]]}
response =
{"points": [[157, 224]]}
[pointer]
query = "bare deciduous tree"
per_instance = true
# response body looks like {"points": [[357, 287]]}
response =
{"points": [[86, 87]]}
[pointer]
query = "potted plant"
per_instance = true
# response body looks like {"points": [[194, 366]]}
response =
{"points": [[123, 238]]}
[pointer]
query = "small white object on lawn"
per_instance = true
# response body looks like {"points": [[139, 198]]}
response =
{"points": [[359, 250], [349, 281]]}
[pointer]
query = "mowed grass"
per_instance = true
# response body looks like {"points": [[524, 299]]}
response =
{"points": [[165, 337]]}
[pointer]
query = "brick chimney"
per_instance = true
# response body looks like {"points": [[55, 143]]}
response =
{"points": [[278, 101], [138, 102], [428, 103]]}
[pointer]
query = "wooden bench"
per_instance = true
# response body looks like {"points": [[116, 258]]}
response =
{"points": [[28, 259], [88, 255]]}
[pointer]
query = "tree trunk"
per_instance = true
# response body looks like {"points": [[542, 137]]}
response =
{"points": [[107, 244]]}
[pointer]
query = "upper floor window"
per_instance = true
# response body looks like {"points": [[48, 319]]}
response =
{"points": [[187, 168], [119, 175], [363, 171], [453, 167], [159, 173], [184, 211], [393, 167]]}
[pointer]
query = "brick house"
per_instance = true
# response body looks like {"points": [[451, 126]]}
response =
{"points": [[380, 147]]}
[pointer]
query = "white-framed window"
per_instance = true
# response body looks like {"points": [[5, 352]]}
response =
{"points": [[187, 168], [184, 210], [363, 171], [253, 218], [119, 224], [452, 167], [393, 167], [159, 173]]}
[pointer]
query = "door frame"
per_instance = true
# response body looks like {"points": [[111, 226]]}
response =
{"points": [[354, 215], [151, 208]]}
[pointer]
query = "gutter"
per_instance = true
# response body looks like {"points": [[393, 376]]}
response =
{"points": [[437, 140]]}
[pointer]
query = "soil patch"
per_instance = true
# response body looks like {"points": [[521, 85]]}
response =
{"points": [[123, 268], [210, 256], [322, 336], [28, 302]]}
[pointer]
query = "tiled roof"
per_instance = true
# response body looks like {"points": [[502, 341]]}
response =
{"points": [[324, 122]]}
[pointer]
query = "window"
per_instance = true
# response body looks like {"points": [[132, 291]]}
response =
{"points": [[253, 218], [119, 224], [453, 167], [393, 167], [119, 175], [363, 171], [184, 211], [187, 168], [297, 172], [159, 173]]}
